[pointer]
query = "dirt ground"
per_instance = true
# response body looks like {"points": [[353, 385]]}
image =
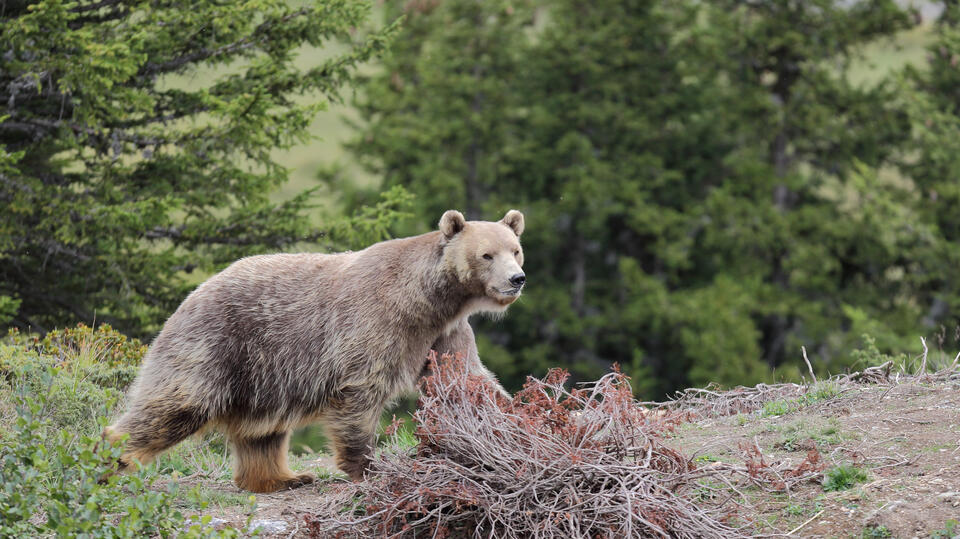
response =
{"points": [[905, 437], [279, 514]]}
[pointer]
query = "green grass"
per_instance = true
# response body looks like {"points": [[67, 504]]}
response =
{"points": [[706, 459], [819, 392], [202, 498], [794, 434], [201, 457], [843, 477], [312, 439]]}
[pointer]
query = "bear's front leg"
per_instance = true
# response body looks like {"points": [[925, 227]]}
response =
{"points": [[460, 340], [352, 430]]}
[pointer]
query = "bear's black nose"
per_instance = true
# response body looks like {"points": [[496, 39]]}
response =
{"points": [[518, 279]]}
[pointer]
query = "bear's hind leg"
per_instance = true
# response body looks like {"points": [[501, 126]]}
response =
{"points": [[260, 463], [153, 429]]}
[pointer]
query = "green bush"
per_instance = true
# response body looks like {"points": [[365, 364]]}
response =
{"points": [[819, 392], [55, 470], [61, 483], [869, 355], [84, 345], [74, 397], [76, 369]]}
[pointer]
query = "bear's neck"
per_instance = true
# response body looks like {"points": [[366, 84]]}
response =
{"points": [[440, 296], [448, 296]]}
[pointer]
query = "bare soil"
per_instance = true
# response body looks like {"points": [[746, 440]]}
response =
{"points": [[906, 437]]}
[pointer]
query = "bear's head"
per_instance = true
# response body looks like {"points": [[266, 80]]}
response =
{"points": [[486, 257]]}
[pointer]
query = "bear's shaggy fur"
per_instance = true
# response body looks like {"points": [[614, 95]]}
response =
{"points": [[278, 341]]}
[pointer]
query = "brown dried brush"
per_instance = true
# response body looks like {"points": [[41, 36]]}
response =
{"points": [[551, 462]]}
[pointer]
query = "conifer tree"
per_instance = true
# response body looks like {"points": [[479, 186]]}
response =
{"points": [[116, 182]]}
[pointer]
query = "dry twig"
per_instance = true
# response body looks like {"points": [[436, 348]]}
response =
{"points": [[809, 366]]}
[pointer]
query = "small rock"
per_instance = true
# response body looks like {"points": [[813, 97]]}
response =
{"points": [[269, 526], [212, 525]]}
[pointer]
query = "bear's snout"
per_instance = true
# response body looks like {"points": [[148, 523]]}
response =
{"points": [[518, 279]]}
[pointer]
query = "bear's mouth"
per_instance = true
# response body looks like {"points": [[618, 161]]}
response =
{"points": [[515, 291], [511, 293]]}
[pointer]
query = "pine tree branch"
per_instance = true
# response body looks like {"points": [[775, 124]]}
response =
{"points": [[38, 126], [247, 42]]}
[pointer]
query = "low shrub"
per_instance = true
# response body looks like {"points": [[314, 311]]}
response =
{"points": [[76, 369], [551, 462], [56, 472], [58, 482], [103, 354]]}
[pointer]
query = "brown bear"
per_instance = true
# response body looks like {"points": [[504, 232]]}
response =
{"points": [[275, 342]]}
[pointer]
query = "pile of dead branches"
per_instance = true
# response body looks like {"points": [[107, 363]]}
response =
{"points": [[551, 462]]}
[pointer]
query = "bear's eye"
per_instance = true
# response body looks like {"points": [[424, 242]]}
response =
{"points": [[488, 257], [517, 252]]}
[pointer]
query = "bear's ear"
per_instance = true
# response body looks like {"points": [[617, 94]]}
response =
{"points": [[452, 223], [514, 220]]}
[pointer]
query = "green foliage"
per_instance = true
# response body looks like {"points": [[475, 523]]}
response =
{"points": [[371, 224], [869, 355], [8, 308], [950, 530], [818, 392], [82, 345], [405, 439], [876, 532], [932, 162], [821, 391], [778, 408], [63, 483], [705, 188], [56, 471], [797, 433], [117, 181], [842, 477], [76, 369]]}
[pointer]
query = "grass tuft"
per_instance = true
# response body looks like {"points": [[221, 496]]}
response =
{"points": [[843, 477]]}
